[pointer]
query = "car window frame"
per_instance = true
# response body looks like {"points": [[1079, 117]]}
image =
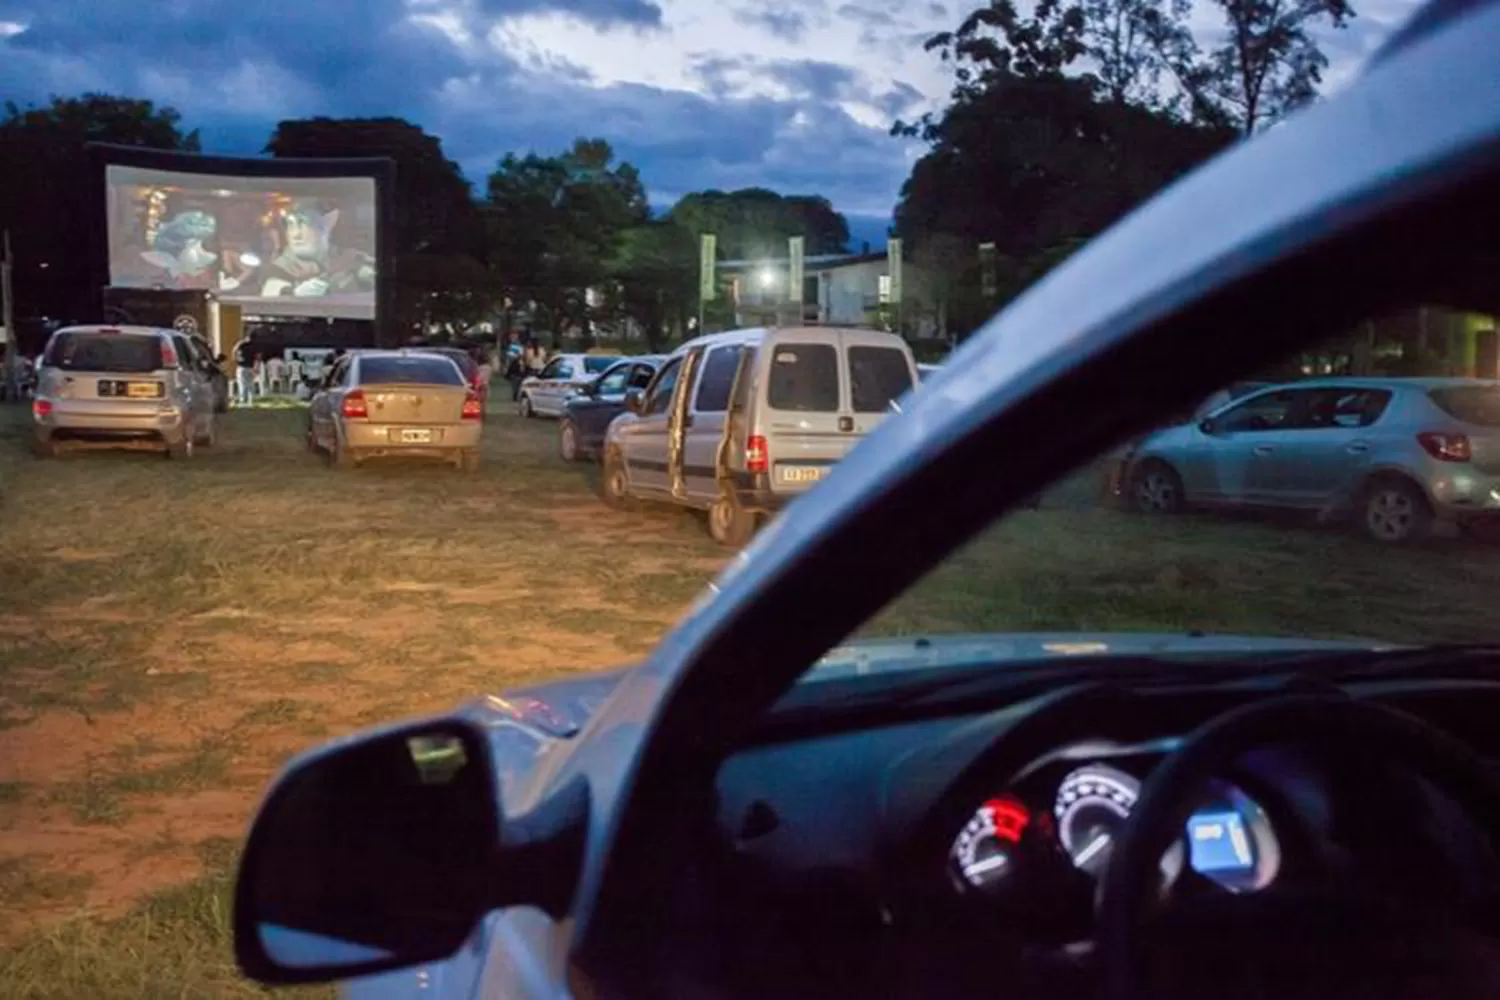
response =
{"points": [[674, 366], [625, 386]]}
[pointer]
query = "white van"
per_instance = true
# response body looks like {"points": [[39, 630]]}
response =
{"points": [[740, 423]]}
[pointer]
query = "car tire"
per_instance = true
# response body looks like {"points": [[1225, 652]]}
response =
{"points": [[567, 442], [1394, 511], [469, 461], [614, 485], [525, 407], [729, 523], [1156, 488]]}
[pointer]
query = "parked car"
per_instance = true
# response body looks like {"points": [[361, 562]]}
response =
{"points": [[1394, 455], [405, 403], [757, 811], [123, 387], [463, 359], [740, 423], [544, 394], [587, 415]]}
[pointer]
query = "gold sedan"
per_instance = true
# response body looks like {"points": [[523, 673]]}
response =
{"points": [[395, 404]]}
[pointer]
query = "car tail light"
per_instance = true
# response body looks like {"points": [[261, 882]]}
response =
{"points": [[168, 356], [41, 408], [473, 409], [757, 457], [355, 407], [1446, 447]]}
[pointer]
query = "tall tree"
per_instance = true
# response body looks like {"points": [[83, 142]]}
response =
{"points": [[756, 222], [436, 217], [556, 224], [46, 182], [1267, 66], [656, 275]]}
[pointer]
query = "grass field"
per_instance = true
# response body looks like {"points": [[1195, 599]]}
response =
{"points": [[170, 633]]}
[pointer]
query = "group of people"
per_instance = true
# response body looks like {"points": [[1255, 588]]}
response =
{"points": [[525, 357], [258, 375]]}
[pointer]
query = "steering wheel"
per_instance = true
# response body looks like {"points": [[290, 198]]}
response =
{"points": [[1291, 943]]}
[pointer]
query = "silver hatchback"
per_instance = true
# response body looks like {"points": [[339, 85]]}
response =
{"points": [[122, 387], [1394, 455]]}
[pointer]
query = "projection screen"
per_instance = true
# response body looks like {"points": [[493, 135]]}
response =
{"points": [[277, 246]]}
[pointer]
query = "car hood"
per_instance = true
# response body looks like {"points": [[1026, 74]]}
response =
{"points": [[559, 709]]}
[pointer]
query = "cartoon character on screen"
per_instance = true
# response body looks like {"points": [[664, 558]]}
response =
{"points": [[178, 248], [309, 265]]}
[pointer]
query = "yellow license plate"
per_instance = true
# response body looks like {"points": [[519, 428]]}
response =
{"points": [[143, 390], [416, 437], [802, 473]]}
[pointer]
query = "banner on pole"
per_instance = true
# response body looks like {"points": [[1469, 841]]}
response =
{"points": [[893, 260], [708, 248], [795, 269], [987, 276]]}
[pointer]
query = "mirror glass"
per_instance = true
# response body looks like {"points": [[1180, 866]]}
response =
{"points": [[372, 856]]}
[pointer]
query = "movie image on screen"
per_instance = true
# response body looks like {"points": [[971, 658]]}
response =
{"points": [[274, 245]]}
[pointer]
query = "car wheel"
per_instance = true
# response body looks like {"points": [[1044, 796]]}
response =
{"points": [[729, 523], [614, 487], [469, 461], [1393, 511], [1156, 488], [525, 407], [567, 442]]}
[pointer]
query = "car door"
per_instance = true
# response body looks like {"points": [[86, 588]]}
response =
{"points": [[323, 410], [703, 433], [1241, 459], [592, 414], [198, 393], [547, 395], [645, 444], [1327, 456]]}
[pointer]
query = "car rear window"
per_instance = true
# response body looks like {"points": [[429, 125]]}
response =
{"points": [[877, 376], [409, 371], [804, 378], [596, 365], [465, 363], [105, 352], [1473, 404]]}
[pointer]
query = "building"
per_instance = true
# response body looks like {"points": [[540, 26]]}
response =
{"points": [[837, 289]]}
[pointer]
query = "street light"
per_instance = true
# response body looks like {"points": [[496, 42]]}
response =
{"points": [[767, 277]]}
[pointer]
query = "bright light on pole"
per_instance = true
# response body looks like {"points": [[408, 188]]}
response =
{"points": [[767, 277]]}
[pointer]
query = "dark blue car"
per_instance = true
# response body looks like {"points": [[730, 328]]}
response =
{"points": [[586, 416]]}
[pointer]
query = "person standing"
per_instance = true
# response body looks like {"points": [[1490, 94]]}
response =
{"points": [[274, 370], [486, 373], [294, 374], [244, 370], [260, 375]]}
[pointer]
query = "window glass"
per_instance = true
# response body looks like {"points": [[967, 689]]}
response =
{"points": [[125, 353], [614, 381], [661, 391], [1352, 407], [593, 365], [1473, 404], [554, 369], [415, 369], [877, 376], [640, 376], [804, 378], [717, 380], [1271, 411]]}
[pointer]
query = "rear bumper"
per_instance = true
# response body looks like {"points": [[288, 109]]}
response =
{"points": [[754, 492], [106, 422], [386, 439]]}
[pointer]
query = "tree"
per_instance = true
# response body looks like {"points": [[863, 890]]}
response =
{"points": [[754, 222], [556, 224], [656, 271], [1267, 66], [435, 216], [46, 186]]}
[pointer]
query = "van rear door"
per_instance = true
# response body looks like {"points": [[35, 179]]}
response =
{"points": [[879, 370]]}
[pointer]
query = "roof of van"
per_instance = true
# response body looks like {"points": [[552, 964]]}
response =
{"points": [[758, 334]]}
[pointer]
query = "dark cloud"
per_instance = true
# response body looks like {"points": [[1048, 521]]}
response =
{"points": [[784, 23], [234, 70]]}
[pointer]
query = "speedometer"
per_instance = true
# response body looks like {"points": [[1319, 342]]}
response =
{"points": [[1092, 806]]}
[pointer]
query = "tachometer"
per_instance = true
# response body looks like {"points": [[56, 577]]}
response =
{"points": [[983, 852], [1092, 806]]}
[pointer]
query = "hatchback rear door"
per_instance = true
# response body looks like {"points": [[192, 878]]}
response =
{"points": [[105, 369]]}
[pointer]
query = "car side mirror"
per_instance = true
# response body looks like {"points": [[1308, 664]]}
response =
{"points": [[635, 400], [1207, 426], [385, 851]]}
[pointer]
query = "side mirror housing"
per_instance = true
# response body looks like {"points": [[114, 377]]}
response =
{"points": [[634, 399], [386, 850], [1207, 426]]}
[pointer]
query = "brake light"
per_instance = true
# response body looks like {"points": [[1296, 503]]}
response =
{"points": [[1446, 447], [473, 410], [354, 407], [757, 457], [168, 356], [41, 408]]}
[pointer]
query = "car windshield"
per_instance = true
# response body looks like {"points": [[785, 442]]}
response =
{"points": [[1351, 493], [117, 353], [594, 365], [414, 370]]}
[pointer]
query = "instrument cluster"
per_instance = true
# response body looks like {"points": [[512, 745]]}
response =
{"points": [[1228, 839]]}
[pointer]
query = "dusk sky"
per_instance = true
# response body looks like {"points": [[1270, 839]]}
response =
{"points": [[795, 95]]}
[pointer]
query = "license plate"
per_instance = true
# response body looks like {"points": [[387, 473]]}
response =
{"points": [[416, 437], [802, 473], [143, 390]]}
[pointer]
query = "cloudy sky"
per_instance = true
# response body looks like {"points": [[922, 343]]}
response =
{"points": [[795, 95]]}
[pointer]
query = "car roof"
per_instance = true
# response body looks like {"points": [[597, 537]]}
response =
{"points": [[1393, 383], [152, 331], [758, 334]]}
